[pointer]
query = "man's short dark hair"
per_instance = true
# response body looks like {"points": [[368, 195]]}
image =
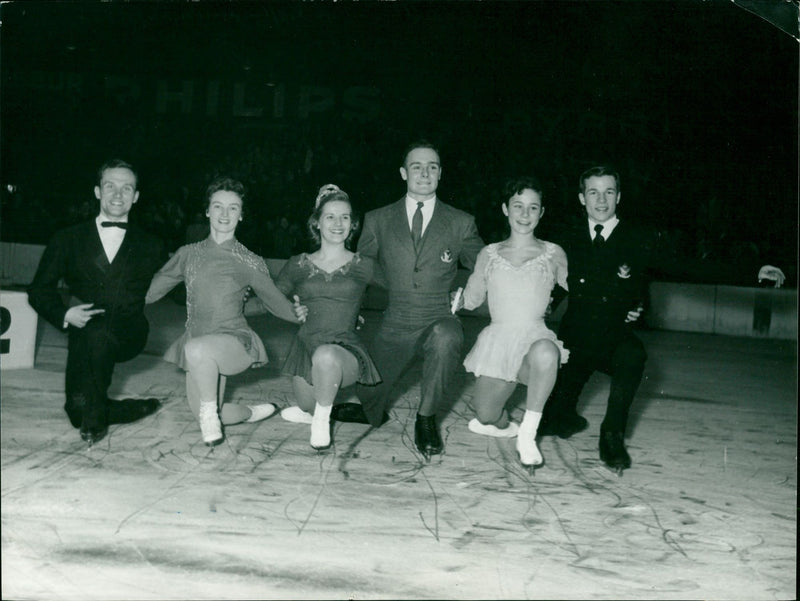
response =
{"points": [[116, 164], [516, 185], [226, 184], [598, 171], [421, 143]]}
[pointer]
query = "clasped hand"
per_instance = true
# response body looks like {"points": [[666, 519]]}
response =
{"points": [[634, 314], [300, 311], [769, 272]]}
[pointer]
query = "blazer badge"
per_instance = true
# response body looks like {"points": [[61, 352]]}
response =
{"points": [[624, 272], [447, 256]]}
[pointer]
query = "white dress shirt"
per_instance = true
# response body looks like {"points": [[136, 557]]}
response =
{"points": [[608, 227], [427, 211], [111, 237]]}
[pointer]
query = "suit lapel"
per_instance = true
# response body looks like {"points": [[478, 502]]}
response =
{"points": [[124, 251], [437, 228], [96, 254]]}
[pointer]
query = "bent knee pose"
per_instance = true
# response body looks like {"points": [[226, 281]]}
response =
{"points": [[327, 354], [106, 264], [218, 342], [417, 242], [517, 275]]}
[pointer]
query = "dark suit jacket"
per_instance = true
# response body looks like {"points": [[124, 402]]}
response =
{"points": [[76, 255], [604, 285], [419, 281]]}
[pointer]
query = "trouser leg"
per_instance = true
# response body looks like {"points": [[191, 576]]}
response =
{"points": [[625, 366], [441, 349], [391, 352]]}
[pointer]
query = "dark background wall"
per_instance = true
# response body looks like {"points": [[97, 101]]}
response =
{"points": [[695, 103]]}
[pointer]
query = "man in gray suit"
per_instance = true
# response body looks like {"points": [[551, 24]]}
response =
{"points": [[417, 243]]}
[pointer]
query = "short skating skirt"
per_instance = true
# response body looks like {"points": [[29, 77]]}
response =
{"points": [[501, 348]]}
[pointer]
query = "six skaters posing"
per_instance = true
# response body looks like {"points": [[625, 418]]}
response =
{"points": [[412, 248], [107, 265], [517, 275], [417, 243], [218, 342], [327, 354]]}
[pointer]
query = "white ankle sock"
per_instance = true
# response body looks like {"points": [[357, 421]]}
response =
{"points": [[210, 426], [477, 427], [526, 439], [321, 427], [296, 415], [530, 422]]}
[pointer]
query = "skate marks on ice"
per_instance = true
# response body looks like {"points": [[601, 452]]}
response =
{"points": [[151, 504]]}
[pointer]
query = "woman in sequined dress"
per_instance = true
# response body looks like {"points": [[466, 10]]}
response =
{"points": [[517, 275], [327, 354], [218, 342]]}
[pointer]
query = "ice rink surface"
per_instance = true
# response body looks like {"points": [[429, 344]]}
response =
{"points": [[708, 510]]}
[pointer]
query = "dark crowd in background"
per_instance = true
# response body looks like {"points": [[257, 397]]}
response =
{"points": [[694, 103]]}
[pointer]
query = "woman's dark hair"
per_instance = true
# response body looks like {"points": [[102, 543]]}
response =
{"points": [[226, 184], [331, 193], [516, 185]]}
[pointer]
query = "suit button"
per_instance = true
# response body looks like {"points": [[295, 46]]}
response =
{"points": [[582, 281], [605, 299]]}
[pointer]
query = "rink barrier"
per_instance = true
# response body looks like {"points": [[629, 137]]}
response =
{"points": [[18, 322], [708, 308]]}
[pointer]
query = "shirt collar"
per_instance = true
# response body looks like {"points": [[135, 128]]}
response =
{"points": [[410, 202], [99, 219], [608, 226]]}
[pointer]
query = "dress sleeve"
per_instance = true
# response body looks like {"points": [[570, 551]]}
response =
{"points": [[560, 266], [285, 282], [275, 302], [169, 276], [475, 291]]}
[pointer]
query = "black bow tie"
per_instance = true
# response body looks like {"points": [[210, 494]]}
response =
{"points": [[122, 224]]}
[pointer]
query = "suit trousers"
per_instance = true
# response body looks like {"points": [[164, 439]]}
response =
{"points": [[395, 346], [93, 351], [624, 362]]}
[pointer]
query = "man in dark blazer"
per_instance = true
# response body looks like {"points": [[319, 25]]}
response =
{"points": [[417, 243], [107, 265], [607, 261]]}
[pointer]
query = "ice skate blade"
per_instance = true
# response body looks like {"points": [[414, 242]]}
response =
{"points": [[214, 443], [529, 467], [615, 469]]}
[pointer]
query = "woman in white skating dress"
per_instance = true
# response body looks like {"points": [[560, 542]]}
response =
{"points": [[517, 275]]}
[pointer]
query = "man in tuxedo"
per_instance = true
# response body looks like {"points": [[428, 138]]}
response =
{"points": [[417, 243], [107, 265], [608, 261]]}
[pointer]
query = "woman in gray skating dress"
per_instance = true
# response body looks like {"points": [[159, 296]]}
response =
{"points": [[327, 354], [218, 342]]}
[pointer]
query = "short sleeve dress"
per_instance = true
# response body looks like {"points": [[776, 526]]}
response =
{"points": [[216, 277], [333, 301], [518, 298]]}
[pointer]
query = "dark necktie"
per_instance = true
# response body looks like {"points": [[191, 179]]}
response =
{"points": [[121, 224], [598, 236], [416, 225]]}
